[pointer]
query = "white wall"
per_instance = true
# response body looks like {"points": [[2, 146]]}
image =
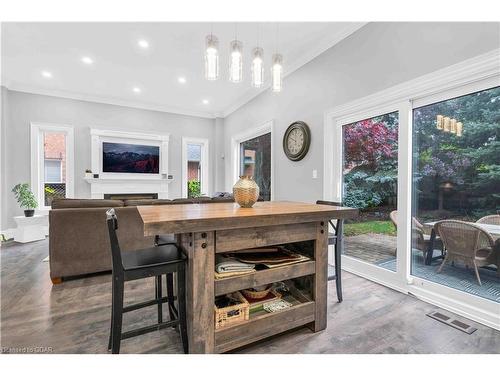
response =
{"points": [[219, 152], [376, 57], [24, 108], [3, 122]]}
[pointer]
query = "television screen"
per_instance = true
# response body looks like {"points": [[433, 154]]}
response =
{"points": [[130, 158]]}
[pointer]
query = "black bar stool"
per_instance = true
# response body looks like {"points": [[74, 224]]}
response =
{"points": [[139, 264], [336, 238]]}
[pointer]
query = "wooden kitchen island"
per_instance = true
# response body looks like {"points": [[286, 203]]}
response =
{"points": [[203, 230]]}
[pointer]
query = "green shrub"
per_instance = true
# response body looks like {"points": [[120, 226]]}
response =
{"points": [[194, 189]]}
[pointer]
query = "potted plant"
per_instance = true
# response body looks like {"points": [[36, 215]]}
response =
{"points": [[88, 173], [25, 198]]}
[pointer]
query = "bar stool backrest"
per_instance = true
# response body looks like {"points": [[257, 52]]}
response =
{"points": [[337, 227], [116, 255]]}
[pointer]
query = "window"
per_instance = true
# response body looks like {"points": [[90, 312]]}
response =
{"points": [[456, 175], [255, 161], [194, 167], [370, 171], [52, 162], [53, 171]]}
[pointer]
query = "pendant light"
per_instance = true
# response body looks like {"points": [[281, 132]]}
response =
{"points": [[236, 58], [258, 63], [236, 62], [257, 67], [277, 68], [211, 57], [277, 72]]}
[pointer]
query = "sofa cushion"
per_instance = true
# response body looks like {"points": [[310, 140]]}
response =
{"points": [[191, 200], [85, 203], [146, 202], [222, 200]]}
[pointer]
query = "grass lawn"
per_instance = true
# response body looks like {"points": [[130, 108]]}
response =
{"points": [[374, 226]]}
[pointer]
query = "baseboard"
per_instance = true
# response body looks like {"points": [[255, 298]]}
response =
{"points": [[8, 233]]}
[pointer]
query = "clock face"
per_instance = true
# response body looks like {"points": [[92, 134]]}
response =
{"points": [[296, 140]]}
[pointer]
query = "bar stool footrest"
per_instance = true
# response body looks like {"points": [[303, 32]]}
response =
{"points": [[140, 305], [148, 329]]}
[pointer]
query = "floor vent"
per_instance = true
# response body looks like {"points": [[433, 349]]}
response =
{"points": [[452, 322]]}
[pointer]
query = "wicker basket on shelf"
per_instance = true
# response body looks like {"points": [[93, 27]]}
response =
{"points": [[256, 294], [230, 315]]}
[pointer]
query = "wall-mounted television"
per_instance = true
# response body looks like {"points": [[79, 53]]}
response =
{"points": [[130, 158]]}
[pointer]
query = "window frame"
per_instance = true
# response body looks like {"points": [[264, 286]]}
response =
{"points": [[204, 163], [38, 129]]}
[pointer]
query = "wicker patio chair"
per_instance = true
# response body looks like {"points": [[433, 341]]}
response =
{"points": [[420, 237], [466, 242], [490, 219]]}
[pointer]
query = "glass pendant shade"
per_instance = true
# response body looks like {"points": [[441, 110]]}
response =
{"points": [[236, 61], [446, 126], [212, 58], [277, 72], [439, 122], [453, 126], [257, 67]]}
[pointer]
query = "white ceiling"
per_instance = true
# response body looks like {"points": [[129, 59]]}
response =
{"points": [[176, 49]]}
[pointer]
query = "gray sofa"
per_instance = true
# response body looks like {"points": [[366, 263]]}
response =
{"points": [[78, 238]]}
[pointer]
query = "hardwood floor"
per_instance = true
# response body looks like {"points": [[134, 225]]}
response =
{"points": [[74, 317]]}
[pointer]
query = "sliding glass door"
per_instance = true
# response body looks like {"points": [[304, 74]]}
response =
{"points": [[425, 175], [369, 182], [456, 183]]}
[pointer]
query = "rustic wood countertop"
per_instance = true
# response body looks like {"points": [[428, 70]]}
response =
{"points": [[183, 218], [202, 230]]}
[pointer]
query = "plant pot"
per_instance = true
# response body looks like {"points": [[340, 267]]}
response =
{"points": [[29, 213]]}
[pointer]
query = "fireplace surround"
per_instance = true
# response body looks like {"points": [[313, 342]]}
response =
{"points": [[134, 185]]}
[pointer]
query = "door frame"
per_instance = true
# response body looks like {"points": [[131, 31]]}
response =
{"points": [[458, 79], [236, 140]]}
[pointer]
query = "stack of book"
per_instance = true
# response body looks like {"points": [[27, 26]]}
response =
{"points": [[270, 257]]}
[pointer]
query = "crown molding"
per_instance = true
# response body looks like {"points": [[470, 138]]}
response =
{"points": [[321, 47], [326, 43], [14, 86], [472, 70]]}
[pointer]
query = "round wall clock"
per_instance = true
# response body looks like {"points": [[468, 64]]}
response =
{"points": [[296, 140]]}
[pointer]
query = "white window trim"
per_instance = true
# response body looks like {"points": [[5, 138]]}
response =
{"points": [[468, 76], [204, 143], [37, 160], [266, 127]]}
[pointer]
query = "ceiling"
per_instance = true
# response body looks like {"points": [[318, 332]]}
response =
{"points": [[175, 50]]}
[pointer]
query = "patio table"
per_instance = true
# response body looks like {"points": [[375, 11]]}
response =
{"points": [[492, 229]]}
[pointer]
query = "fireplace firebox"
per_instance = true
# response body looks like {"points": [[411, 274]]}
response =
{"points": [[131, 196]]}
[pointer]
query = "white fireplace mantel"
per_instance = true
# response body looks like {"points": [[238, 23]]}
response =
{"points": [[127, 183]]}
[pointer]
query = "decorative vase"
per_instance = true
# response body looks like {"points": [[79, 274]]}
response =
{"points": [[246, 191], [29, 213]]}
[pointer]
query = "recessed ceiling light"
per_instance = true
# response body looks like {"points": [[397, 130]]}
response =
{"points": [[143, 43], [46, 74], [181, 79], [205, 101], [87, 60], [137, 90]]}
